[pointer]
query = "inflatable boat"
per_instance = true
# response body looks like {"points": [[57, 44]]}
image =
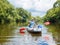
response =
{"points": [[34, 30]]}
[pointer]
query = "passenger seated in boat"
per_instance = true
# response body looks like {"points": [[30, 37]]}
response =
{"points": [[38, 25]]}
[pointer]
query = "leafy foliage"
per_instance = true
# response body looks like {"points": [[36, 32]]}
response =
{"points": [[10, 14], [38, 19], [57, 4], [53, 15]]}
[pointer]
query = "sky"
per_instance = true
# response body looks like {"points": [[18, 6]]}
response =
{"points": [[36, 7]]}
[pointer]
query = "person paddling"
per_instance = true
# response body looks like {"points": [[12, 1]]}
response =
{"points": [[32, 23]]}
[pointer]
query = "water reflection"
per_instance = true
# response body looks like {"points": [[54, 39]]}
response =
{"points": [[10, 35], [55, 29]]}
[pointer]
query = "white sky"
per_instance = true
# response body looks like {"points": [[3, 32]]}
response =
{"points": [[36, 7]]}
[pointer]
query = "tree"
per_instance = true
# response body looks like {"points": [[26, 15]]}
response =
{"points": [[10, 14], [53, 15], [57, 4]]}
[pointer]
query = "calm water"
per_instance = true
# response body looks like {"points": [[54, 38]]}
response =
{"points": [[10, 35]]}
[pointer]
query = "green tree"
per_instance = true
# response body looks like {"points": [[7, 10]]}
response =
{"points": [[8, 13], [57, 3], [53, 15]]}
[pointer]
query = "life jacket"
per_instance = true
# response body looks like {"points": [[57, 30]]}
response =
{"points": [[39, 26], [32, 23]]}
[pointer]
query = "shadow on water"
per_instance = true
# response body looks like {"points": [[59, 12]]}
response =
{"points": [[10, 35]]}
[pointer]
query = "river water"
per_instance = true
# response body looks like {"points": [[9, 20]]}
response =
{"points": [[10, 35]]}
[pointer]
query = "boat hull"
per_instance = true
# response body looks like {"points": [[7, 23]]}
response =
{"points": [[34, 31]]}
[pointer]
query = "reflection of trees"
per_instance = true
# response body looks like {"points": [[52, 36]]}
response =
{"points": [[6, 30], [55, 29]]}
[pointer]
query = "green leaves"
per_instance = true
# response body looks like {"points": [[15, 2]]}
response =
{"points": [[9, 14], [53, 15], [57, 4]]}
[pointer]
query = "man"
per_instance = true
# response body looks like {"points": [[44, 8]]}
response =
{"points": [[32, 23]]}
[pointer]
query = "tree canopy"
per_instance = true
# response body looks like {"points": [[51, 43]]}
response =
{"points": [[8, 13], [53, 14]]}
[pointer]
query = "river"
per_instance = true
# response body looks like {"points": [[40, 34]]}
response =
{"points": [[10, 35]]}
